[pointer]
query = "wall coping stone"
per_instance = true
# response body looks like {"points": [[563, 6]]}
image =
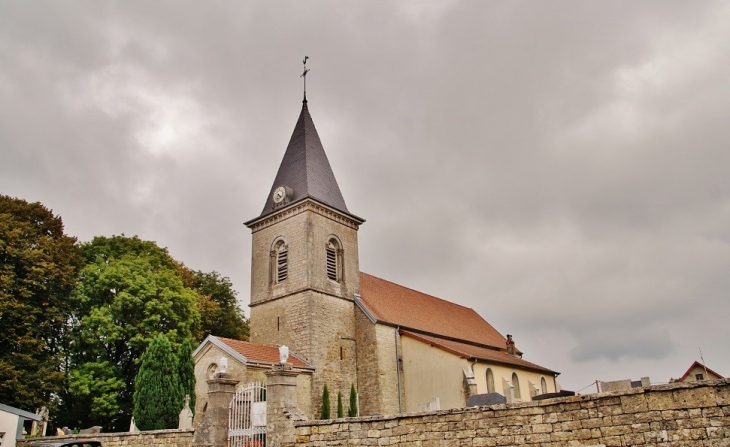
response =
{"points": [[558, 401], [90, 436]]}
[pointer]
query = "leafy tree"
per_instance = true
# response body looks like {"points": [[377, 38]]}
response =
{"points": [[38, 268], [352, 411], [220, 313], [129, 292], [158, 395], [186, 371], [325, 413], [340, 408]]}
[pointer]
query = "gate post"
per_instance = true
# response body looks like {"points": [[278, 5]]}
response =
{"points": [[281, 405], [213, 429]]}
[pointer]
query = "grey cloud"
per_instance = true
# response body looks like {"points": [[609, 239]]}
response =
{"points": [[633, 343]]}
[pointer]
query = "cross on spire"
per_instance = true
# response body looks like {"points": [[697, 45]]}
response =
{"points": [[304, 75]]}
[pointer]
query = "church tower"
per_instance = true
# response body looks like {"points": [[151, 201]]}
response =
{"points": [[304, 266]]}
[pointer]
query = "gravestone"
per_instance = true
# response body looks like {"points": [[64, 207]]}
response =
{"points": [[185, 422], [480, 400]]}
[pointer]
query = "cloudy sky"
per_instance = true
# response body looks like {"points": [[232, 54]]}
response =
{"points": [[561, 167]]}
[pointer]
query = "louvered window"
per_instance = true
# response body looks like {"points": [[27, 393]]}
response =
{"points": [[332, 261], [282, 263]]}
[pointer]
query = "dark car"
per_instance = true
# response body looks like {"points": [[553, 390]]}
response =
{"points": [[71, 443]]}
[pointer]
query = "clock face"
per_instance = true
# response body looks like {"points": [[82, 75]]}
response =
{"points": [[279, 194]]}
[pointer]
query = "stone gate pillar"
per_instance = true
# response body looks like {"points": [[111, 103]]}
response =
{"points": [[213, 429], [281, 405]]}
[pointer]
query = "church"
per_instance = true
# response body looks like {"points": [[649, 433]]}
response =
{"points": [[402, 349]]}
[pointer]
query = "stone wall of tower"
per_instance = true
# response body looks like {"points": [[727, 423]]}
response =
{"points": [[308, 312], [376, 366], [320, 329], [334, 353]]}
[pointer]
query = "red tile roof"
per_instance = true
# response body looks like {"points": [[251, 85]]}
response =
{"points": [[468, 351], [696, 363], [260, 353], [400, 306]]}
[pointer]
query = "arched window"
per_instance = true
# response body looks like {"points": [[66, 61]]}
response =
{"points": [[279, 262], [334, 260], [516, 385], [543, 385], [490, 381]]}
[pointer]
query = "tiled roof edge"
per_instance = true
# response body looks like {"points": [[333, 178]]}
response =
{"points": [[308, 365], [242, 358], [454, 351], [443, 337], [222, 345]]}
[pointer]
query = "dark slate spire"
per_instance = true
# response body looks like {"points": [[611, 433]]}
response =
{"points": [[305, 171]]}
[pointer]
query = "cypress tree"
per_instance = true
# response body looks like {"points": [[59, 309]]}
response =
{"points": [[352, 411], [186, 371], [325, 414], [158, 396], [340, 409]]}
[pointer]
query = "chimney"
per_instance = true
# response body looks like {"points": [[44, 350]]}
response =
{"points": [[511, 350]]}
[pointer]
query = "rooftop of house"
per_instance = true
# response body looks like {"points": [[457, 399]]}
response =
{"points": [[472, 352], [248, 352], [697, 364], [396, 305]]}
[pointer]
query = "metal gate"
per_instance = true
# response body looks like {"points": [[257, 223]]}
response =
{"points": [[247, 417]]}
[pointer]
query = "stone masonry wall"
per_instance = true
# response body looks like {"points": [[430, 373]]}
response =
{"points": [[154, 438], [677, 415]]}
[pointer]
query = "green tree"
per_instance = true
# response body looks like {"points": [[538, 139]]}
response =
{"points": [[129, 292], [38, 268], [352, 411], [325, 413], [340, 408], [158, 395], [220, 313], [186, 371]]}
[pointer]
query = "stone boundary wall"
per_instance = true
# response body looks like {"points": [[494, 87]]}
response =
{"points": [[152, 438], [677, 415]]}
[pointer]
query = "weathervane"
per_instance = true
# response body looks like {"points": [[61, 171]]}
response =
{"points": [[304, 75]]}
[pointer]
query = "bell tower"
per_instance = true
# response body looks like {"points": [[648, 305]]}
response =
{"points": [[304, 265]]}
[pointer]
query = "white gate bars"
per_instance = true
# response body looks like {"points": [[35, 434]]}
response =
{"points": [[247, 417]]}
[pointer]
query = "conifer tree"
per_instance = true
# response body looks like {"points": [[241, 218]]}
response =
{"points": [[325, 414], [340, 408], [352, 411], [158, 396], [186, 371]]}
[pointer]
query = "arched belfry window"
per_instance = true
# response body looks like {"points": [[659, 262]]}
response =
{"points": [[334, 259], [279, 262]]}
